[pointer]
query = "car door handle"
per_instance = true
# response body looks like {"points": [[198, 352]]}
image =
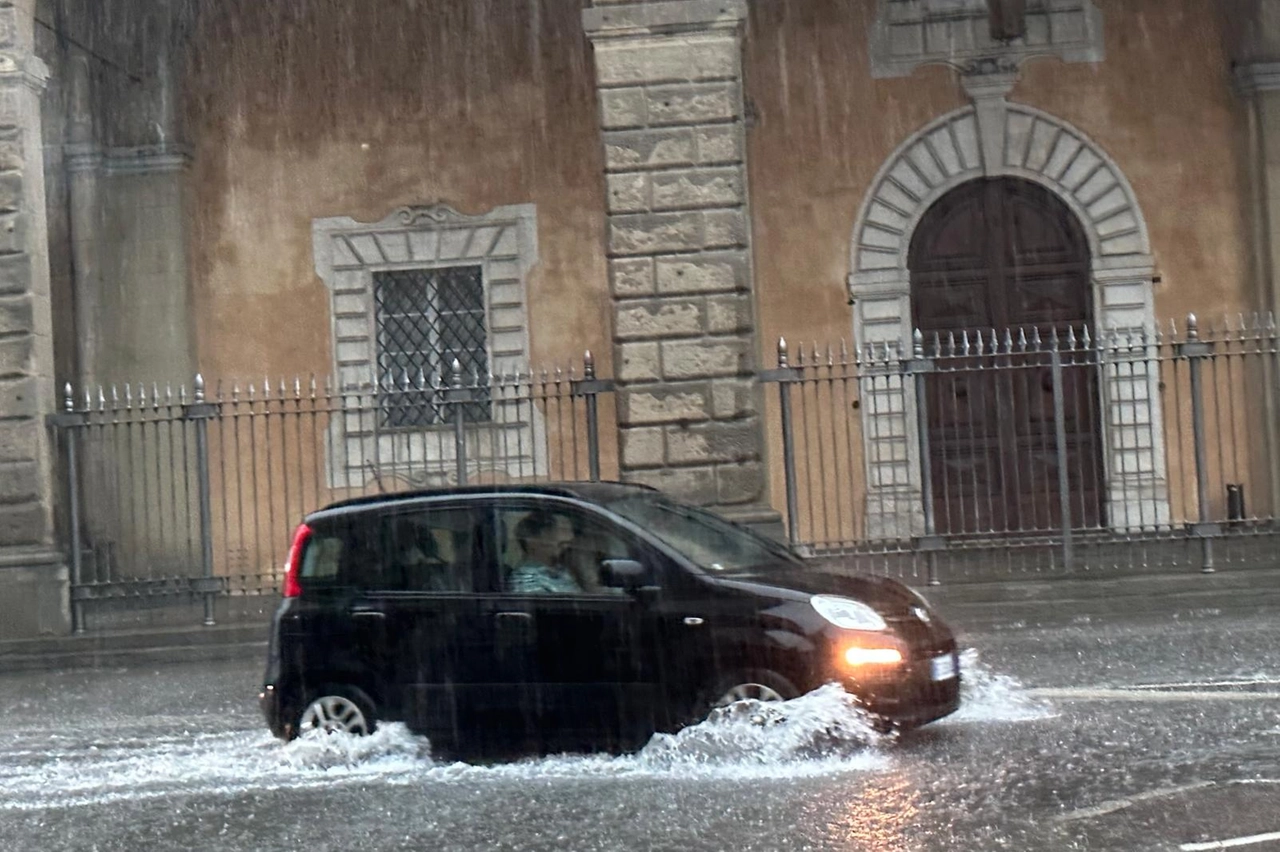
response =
{"points": [[367, 612], [514, 616]]}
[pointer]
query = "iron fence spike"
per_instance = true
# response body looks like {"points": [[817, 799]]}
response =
{"points": [[782, 352], [312, 386], [1071, 337], [844, 351], [1193, 327], [69, 402], [297, 387], [128, 396], [182, 394], [588, 365], [917, 343], [88, 399], [1085, 340], [951, 343], [198, 388], [168, 393]]}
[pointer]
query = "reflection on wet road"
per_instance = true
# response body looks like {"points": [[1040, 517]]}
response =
{"points": [[1158, 750]]}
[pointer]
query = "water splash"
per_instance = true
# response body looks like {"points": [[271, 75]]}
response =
{"points": [[825, 732], [987, 696]]}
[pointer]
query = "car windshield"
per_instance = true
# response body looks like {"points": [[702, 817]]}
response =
{"points": [[706, 539]]}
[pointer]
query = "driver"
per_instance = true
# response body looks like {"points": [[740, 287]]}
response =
{"points": [[540, 571]]}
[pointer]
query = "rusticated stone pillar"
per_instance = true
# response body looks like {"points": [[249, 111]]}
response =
{"points": [[669, 79], [33, 581]]}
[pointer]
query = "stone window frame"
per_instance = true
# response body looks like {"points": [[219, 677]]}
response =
{"points": [[995, 138], [908, 33], [503, 242]]}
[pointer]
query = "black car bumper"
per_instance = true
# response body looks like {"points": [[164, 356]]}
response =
{"points": [[911, 695], [273, 710]]}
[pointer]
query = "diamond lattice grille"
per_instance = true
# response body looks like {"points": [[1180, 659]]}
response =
{"points": [[426, 319]]}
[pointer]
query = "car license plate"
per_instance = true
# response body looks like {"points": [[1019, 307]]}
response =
{"points": [[943, 668]]}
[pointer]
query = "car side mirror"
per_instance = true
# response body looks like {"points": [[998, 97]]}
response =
{"points": [[625, 574]]}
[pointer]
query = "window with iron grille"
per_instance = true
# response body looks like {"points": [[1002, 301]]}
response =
{"points": [[426, 318]]}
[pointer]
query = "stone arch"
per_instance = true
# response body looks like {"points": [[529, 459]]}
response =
{"points": [[1026, 143], [996, 138]]}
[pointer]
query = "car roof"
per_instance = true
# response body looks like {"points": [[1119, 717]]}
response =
{"points": [[590, 492]]}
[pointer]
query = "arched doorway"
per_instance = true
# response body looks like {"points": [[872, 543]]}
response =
{"points": [[1005, 254]]}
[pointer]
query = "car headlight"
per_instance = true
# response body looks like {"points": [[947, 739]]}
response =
{"points": [[847, 613]]}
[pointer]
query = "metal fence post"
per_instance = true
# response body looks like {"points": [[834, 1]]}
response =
{"points": [[68, 422], [201, 412], [1060, 450], [784, 375], [457, 396], [593, 418], [1195, 350], [918, 367]]}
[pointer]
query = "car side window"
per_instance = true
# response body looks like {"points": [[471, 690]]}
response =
{"points": [[548, 550], [429, 550]]}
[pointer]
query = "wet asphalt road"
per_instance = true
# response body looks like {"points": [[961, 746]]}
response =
{"points": [[1163, 735]]}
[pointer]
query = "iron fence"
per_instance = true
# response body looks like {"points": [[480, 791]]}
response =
{"points": [[192, 493], [982, 453], [971, 455]]}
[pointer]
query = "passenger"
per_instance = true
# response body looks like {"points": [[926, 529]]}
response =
{"points": [[540, 571], [418, 559]]}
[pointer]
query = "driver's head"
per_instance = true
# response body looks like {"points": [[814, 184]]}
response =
{"points": [[536, 534]]}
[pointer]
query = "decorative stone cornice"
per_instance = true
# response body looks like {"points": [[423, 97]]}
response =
{"points": [[438, 214], [1257, 77], [141, 160], [24, 68], [657, 18]]}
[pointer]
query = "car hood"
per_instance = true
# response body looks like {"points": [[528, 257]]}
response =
{"points": [[886, 596]]}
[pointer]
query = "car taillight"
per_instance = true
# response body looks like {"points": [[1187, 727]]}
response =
{"points": [[293, 566]]}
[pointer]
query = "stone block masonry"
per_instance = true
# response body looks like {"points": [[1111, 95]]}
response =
{"points": [[33, 576], [669, 81]]}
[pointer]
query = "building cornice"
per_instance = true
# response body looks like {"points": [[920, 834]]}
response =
{"points": [[24, 68], [622, 20], [141, 160], [1257, 77]]}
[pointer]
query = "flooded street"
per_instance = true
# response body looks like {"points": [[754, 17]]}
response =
{"points": [[1149, 736]]}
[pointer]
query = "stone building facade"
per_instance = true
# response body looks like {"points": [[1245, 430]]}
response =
{"points": [[673, 184]]}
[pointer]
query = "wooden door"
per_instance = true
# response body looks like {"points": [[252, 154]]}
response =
{"points": [[992, 262]]}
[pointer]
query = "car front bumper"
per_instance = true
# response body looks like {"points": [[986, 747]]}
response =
{"points": [[909, 695]]}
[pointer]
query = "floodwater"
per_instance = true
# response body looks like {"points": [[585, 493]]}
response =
{"points": [[169, 757]]}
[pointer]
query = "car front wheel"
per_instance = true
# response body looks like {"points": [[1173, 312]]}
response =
{"points": [[751, 685]]}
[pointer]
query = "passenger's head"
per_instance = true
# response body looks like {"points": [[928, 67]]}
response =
{"points": [[408, 536]]}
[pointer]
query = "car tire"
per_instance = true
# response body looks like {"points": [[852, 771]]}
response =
{"points": [[757, 684], [337, 708]]}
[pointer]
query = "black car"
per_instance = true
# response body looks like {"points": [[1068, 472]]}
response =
{"points": [[577, 614]]}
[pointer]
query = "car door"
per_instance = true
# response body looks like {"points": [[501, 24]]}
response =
{"points": [[577, 660], [425, 614]]}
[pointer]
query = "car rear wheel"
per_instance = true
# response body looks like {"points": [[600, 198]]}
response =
{"points": [[338, 709]]}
